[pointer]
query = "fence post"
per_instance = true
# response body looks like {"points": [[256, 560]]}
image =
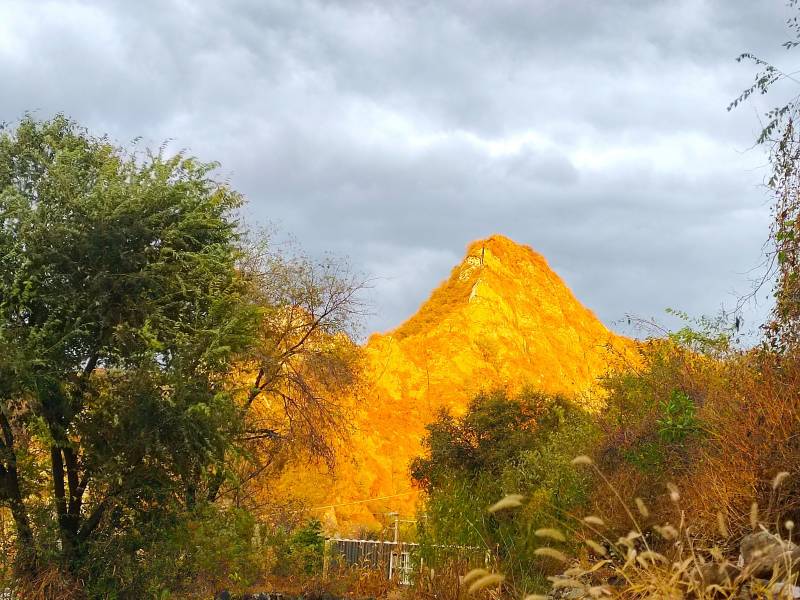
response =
{"points": [[326, 558]]}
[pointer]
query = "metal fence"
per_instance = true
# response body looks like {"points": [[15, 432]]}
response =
{"points": [[395, 559]]}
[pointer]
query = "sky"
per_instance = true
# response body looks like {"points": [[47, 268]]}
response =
{"points": [[395, 132]]}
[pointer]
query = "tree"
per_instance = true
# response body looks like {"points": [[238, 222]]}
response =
{"points": [[782, 139], [121, 312], [521, 444], [489, 436], [299, 371]]}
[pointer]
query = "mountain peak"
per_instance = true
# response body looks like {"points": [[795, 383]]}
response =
{"points": [[499, 245], [503, 256], [503, 318], [496, 267]]}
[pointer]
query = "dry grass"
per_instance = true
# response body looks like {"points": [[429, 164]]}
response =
{"points": [[49, 585], [748, 411], [670, 560], [752, 424], [447, 582], [344, 582]]}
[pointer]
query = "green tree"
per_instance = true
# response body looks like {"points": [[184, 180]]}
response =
{"points": [[121, 310], [522, 444]]}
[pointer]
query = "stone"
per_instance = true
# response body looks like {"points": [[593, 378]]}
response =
{"points": [[715, 574], [764, 554]]}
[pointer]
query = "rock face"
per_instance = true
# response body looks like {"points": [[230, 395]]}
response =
{"points": [[502, 318]]}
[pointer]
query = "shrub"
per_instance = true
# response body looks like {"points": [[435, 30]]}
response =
{"points": [[521, 444], [201, 552], [299, 551]]}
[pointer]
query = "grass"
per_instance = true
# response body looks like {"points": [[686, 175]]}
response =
{"points": [[658, 561]]}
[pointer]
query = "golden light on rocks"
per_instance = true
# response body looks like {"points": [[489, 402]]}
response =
{"points": [[502, 319]]}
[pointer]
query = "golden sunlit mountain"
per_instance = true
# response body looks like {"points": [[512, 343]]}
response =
{"points": [[502, 318]]}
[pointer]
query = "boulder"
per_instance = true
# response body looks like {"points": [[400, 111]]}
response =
{"points": [[763, 554], [716, 574]]}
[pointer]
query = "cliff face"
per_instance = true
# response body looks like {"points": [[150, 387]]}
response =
{"points": [[502, 318]]}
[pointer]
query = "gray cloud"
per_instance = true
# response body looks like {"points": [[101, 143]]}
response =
{"points": [[396, 132]]}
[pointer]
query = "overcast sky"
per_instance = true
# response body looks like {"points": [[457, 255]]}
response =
{"points": [[396, 132]]}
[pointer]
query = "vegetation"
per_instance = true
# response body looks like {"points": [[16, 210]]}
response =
{"points": [[521, 444], [132, 304], [121, 312], [159, 364], [298, 552], [696, 414]]}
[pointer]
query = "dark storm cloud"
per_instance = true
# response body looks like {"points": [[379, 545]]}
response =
{"points": [[396, 132]]}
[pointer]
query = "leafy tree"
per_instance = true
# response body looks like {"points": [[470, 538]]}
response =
{"points": [[121, 311], [490, 435], [522, 444], [307, 547]]}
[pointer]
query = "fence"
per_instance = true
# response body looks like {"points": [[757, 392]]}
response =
{"points": [[397, 560], [393, 558]]}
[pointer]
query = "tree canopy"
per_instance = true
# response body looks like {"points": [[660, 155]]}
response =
{"points": [[121, 310], [155, 356]]}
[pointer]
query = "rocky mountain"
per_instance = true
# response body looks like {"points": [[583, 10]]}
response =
{"points": [[502, 318]]}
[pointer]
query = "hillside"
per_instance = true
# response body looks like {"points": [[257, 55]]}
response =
{"points": [[502, 318]]}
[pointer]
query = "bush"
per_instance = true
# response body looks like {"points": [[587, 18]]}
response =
{"points": [[200, 552], [297, 552], [520, 444], [669, 560]]}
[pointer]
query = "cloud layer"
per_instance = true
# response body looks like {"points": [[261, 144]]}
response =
{"points": [[396, 132]]}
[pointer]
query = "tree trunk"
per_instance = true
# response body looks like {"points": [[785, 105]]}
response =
{"points": [[68, 489], [26, 559], [67, 533]]}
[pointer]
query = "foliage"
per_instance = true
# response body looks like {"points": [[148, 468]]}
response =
{"points": [[296, 374], [201, 551], [153, 359], [485, 440], [521, 444], [299, 551], [782, 139], [711, 419], [709, 336], [121, 311], [719, 425], [678, 418], [663, 559], [306, 547]]}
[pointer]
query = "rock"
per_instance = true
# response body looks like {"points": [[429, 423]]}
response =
{"points": [[223, 595], [785, 590], [715, 574], [764, 554]]}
